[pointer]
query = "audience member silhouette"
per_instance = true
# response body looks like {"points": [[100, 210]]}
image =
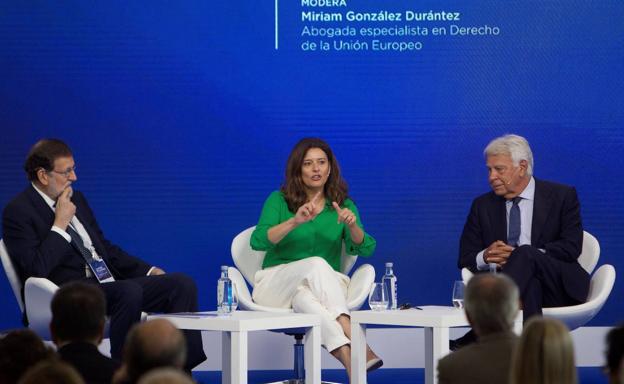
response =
{"points": [[153, 344], [20, 350], [165, 376], [77, 328], [615, 355], [52, 371], [491, 304], [545, 354]]}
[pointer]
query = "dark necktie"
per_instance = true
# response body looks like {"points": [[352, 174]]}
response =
{"points": [[514, 223], [78, 244]]}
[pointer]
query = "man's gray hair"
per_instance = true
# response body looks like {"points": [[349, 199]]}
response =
{"points": [[491, 302], [512, 145]]}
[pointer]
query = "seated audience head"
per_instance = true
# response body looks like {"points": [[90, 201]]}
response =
{"points": [[52, 372], [165, 376], [545, 354], [78, 314], [50, 165], [615, 355], [153, 344], [491, 303], [20, 350]]}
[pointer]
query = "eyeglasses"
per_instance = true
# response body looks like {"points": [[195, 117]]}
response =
{"points": [[66, 173]]}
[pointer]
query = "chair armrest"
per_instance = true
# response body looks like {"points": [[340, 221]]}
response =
{"points": [[360, 286], [245, 300], [575, 316], [38, 294]]}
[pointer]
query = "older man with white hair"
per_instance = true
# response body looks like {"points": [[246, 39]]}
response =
{"points": [[529, 229]]}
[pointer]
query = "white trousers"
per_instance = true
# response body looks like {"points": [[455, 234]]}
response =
{"points": [[308, 286]]}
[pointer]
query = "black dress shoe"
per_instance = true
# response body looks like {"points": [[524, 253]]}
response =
{"points": [[469, 338]]}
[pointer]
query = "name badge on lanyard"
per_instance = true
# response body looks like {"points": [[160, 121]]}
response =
{"points": [[99, 268]]}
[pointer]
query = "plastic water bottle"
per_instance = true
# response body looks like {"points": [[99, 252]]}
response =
{"points": [[224, 293], [390, 281]]}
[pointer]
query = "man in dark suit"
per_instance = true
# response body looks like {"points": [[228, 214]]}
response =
{"points": [[50, 231], [77, 328], [527, 228], [491, 305]]}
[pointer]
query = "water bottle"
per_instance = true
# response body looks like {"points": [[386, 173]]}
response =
{"points": [[390, 281], [224, 292]]}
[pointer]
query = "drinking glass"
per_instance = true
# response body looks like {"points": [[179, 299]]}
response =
{"points": [[378, 297], [458, 294]]}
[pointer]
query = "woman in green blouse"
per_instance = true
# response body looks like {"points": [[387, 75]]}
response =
{"points": [[302, 228]]}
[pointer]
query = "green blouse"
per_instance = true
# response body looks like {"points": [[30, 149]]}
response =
{"points": [[322, 236]]}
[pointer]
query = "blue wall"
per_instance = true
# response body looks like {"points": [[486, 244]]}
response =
{"points": [[182, 114]]}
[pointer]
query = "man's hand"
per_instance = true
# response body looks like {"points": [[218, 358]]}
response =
{"points": [[156, 271], [65, 209], [498, 252]]}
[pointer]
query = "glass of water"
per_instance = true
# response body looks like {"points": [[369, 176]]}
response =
{"points": [[378, 297], [458, 294]]}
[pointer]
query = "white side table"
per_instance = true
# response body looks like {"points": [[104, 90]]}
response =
{"points": [[234, 329], [435, 320]]}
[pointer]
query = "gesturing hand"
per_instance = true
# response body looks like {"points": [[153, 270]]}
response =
{"points": [[309, 210], [65, 209], [345, 215]]}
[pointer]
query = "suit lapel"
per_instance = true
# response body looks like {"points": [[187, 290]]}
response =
{"points": [[41, 207], [498, 218], [541, 208]]}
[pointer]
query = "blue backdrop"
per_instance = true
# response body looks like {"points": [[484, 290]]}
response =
{"points": [[182, 114]]}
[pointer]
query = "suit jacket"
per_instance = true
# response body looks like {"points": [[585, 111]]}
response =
{"points": [[94, 367], [486, 361], [38, 251], [556, 228]]}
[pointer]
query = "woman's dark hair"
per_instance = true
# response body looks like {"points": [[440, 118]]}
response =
{"points": [[336, 188]]}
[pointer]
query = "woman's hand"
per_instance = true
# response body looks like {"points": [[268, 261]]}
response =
{"points": [[309, 210], [345, 215]]}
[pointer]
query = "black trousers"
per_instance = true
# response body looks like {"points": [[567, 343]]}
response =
{"points": [[171, 292], [539, 280]]}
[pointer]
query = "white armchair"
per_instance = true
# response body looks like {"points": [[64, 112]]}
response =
{"points": [[600, 287], [248, 262], [38, 294]]}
